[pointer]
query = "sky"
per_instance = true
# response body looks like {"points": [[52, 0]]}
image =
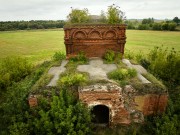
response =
{"points": [[16, 10]]}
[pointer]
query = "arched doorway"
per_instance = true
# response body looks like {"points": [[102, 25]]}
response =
{"points": [[100, 114]]}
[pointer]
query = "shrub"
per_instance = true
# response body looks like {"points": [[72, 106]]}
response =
{"points": [[64, 116], [13, 69], [79, 58], [59, 56], [14, 106], [164, 64], [109, 56], [122, 74], [75, 79]]}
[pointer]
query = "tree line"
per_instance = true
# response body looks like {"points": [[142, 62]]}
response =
{"points": [[113, 15], [28, 25], [152, 24]]}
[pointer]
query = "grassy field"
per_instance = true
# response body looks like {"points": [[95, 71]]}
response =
{"points": [[42, 44], [145, 40], [36, 45]]}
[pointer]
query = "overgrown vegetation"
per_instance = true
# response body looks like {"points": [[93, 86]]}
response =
{"points": [[13, 69], [80, 58], [58, 110], [110, 56], [61, 115], [13, 103], [113, 16], [59, 56], [164, 64], [78, 16], [122, 75], [72, 80]]}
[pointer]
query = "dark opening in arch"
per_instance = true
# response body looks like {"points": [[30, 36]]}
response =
{"points": [[100, 114]]}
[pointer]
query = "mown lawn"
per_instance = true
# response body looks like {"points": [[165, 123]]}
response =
{"points": [[42, 44]]}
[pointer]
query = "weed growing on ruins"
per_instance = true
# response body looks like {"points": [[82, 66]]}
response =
{"points": [[109, 56], [75, 80], [81, 58], [14, 105], [59, 56], [122, 75], [58, 111]]}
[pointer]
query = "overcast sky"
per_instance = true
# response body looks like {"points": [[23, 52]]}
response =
{"points": [[58, 9]]}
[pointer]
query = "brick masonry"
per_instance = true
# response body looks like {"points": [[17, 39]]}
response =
{"points": [[125, 105], [94, 40], [110, 96]]}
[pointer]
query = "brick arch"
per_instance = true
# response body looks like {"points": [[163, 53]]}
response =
{"points": [[94, 34], [79, 35], [101, 114], [110, 34]]}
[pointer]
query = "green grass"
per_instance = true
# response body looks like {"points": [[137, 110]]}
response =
{"points": [[40, 45], [35, 45], [145, 40]]}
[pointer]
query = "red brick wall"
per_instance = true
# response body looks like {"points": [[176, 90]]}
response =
{"points": [[112, 99], [94, 40], [155, 104]]}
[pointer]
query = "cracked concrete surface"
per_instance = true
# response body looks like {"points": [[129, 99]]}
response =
{"points": [[96, 69], [56, 71]]}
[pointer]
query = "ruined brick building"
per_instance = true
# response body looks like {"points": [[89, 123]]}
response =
{"points": [[110, 103]]}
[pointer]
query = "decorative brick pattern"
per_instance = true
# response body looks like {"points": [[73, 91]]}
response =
{"points": [[94, 40]]}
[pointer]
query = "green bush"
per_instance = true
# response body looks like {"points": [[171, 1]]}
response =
{"points": [[65, 115], [13, 69], [79, 58], [14, 104], [164, 64], [75, 79], [122, 74], [109, 56], [59, 56]]}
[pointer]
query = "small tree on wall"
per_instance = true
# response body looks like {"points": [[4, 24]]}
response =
{"points": [[78, 16], [115, 15]]}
